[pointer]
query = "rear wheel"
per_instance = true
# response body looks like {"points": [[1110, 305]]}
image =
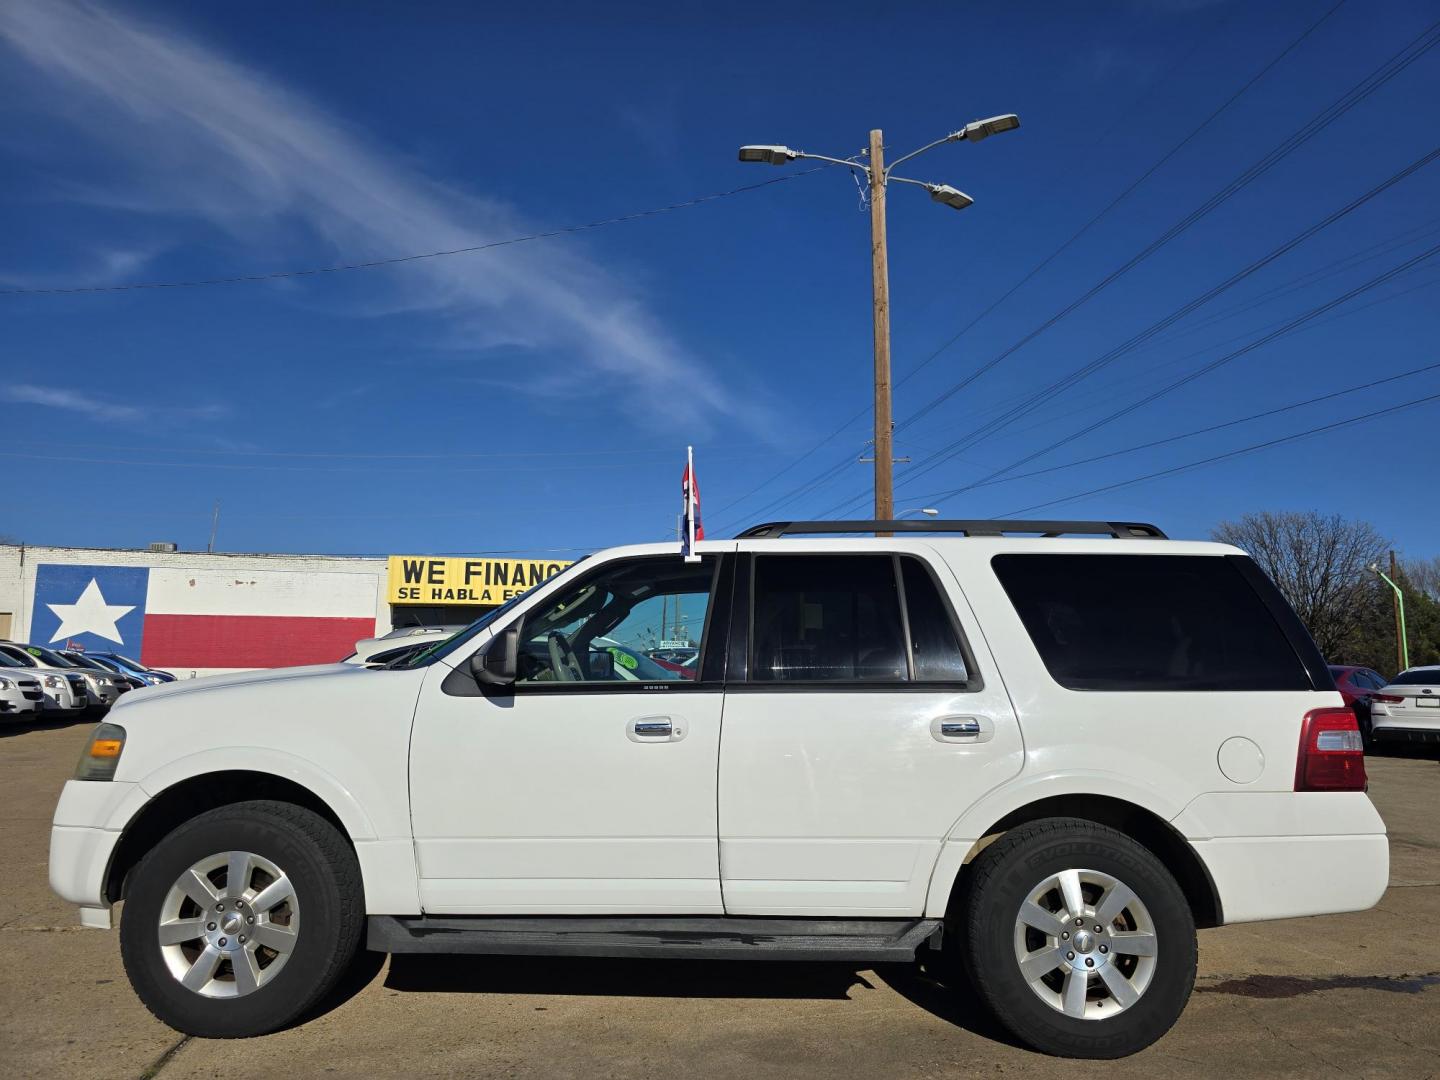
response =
{"points": [[241, 919], [1078, 939]]}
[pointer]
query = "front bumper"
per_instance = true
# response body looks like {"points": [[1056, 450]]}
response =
{"points": [[15, 703], [87, 826]]}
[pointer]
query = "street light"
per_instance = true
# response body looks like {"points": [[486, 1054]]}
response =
{"points": [[879, 177], [1402, 633], [928, 511]]}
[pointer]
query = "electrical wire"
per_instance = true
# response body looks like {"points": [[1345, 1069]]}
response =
{"points": [[1254, 448], [1278, 410], [371, 264], [1054, 254], [1377, 78], [1052, 390], [1043, 263]]}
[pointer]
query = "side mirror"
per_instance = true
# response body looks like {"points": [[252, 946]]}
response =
{"points": [[602, 664], [497, 663]]}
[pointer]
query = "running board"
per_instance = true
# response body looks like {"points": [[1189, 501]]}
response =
{"points": [[694, 938]]}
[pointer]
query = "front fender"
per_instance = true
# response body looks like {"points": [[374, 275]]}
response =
{"points": [[263, 759]]}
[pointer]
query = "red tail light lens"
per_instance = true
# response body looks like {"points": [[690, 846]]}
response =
{"points": [[1387, 699], [1332, 755]]}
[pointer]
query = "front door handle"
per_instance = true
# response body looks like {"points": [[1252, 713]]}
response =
{"points": [[655, 729], [962, 729]]}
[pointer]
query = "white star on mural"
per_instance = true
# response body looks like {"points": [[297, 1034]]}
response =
{"points": [[90, 615]]}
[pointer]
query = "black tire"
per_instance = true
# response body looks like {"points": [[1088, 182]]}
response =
{"points": [[1001, 880], [326, 878]]}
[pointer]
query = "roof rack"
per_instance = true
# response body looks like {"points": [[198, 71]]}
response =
{"points": [[1121, 530]]}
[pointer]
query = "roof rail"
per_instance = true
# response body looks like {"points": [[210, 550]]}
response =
{"points": [[1121, 530]]}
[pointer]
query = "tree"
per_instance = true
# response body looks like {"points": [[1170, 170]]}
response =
{"points": [[1319, 564]]}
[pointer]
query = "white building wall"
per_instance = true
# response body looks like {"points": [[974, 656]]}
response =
{"points": [[18, 565]]}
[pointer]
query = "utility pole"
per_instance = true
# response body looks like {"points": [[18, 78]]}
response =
{"points": [[880, 273], [1402, 653], [878, 177], [214, 526]]}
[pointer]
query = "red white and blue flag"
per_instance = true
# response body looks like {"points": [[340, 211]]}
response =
{"points": [[204, 620], [691, 528]]}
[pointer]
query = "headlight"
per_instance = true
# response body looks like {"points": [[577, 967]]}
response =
{"points": [[101, 755], [6, 684], [53, 682]]}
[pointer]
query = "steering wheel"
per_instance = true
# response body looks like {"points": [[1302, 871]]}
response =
{"points": [[563, 661]]}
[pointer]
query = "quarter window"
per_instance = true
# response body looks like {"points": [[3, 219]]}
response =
{"points": [[1149, 622]]}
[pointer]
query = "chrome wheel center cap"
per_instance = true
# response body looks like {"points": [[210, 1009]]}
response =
{"points": [[1084, 941], [232, 923]]}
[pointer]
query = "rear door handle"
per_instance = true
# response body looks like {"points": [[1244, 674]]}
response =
{"points": [[655, 729], [962, 729]]}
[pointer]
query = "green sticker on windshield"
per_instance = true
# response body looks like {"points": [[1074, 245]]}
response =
{"points": [[623, 658]]}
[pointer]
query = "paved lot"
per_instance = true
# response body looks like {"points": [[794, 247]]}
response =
{"points": [[1351, 995]]}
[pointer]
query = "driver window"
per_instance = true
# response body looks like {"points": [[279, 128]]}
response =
{"points": [[638, 620]]}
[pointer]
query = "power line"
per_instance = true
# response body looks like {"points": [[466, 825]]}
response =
{"points": [[1389, 410], [1357, 388], [1043, 263], [371, 264], [1205, 369], [1368, 85], [1398, 62], [1051, 257], [934, 460]]}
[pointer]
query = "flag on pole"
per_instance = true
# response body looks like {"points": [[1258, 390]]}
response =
{"points": [[690, 527]]}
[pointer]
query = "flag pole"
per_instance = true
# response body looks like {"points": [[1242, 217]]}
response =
{"points": [[690, 505]]}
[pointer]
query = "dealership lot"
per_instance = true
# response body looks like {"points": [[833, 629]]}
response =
{"points": [[1344, 995]]}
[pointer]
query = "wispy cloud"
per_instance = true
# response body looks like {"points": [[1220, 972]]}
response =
{"points": [[204, 136], [56, 397], [102, 408]]}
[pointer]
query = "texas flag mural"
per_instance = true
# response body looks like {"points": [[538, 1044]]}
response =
{"points": [[176, 617]]}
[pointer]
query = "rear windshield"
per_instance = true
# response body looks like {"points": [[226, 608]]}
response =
{"points": [[1149, 622], [1418, 677]]}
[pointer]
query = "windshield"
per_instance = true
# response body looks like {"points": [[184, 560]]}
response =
{"points": [[445, 646], [84, 662], [6, 660], [49, 656], [1425, 676]]}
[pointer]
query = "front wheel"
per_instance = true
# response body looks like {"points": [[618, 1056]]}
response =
{"points": [[1078, 939], [241, 919]]}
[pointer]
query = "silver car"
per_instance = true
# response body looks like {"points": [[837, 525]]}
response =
{"points": [[1407, 709], [20, 695], [64, 687]]}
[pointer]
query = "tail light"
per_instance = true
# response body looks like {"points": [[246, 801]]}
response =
{"points": [[1332, 755], [1387, 699]]}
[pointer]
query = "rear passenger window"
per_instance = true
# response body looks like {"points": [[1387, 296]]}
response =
{"points": [[1148, 622], [933, 639], [827, 618], [844, 618]]}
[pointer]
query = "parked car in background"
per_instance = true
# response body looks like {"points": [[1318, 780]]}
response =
{"points": [[133, 681], [123, 683], [20, 693], [149, 676], [685, 667], [64, 688], [1357, 685], [101, 687], [1407, 708]]}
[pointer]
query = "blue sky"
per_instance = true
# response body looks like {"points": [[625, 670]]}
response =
{"points": [[540, 396]]}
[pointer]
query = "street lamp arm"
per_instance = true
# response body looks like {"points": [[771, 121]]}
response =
{"points": [[834, 161], [907, 180], [917, 153]]}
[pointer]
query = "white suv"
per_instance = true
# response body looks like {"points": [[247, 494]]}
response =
{"points": [[1035, 754]]}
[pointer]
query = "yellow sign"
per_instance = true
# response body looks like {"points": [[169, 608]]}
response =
{"points": [[420, 579]]}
